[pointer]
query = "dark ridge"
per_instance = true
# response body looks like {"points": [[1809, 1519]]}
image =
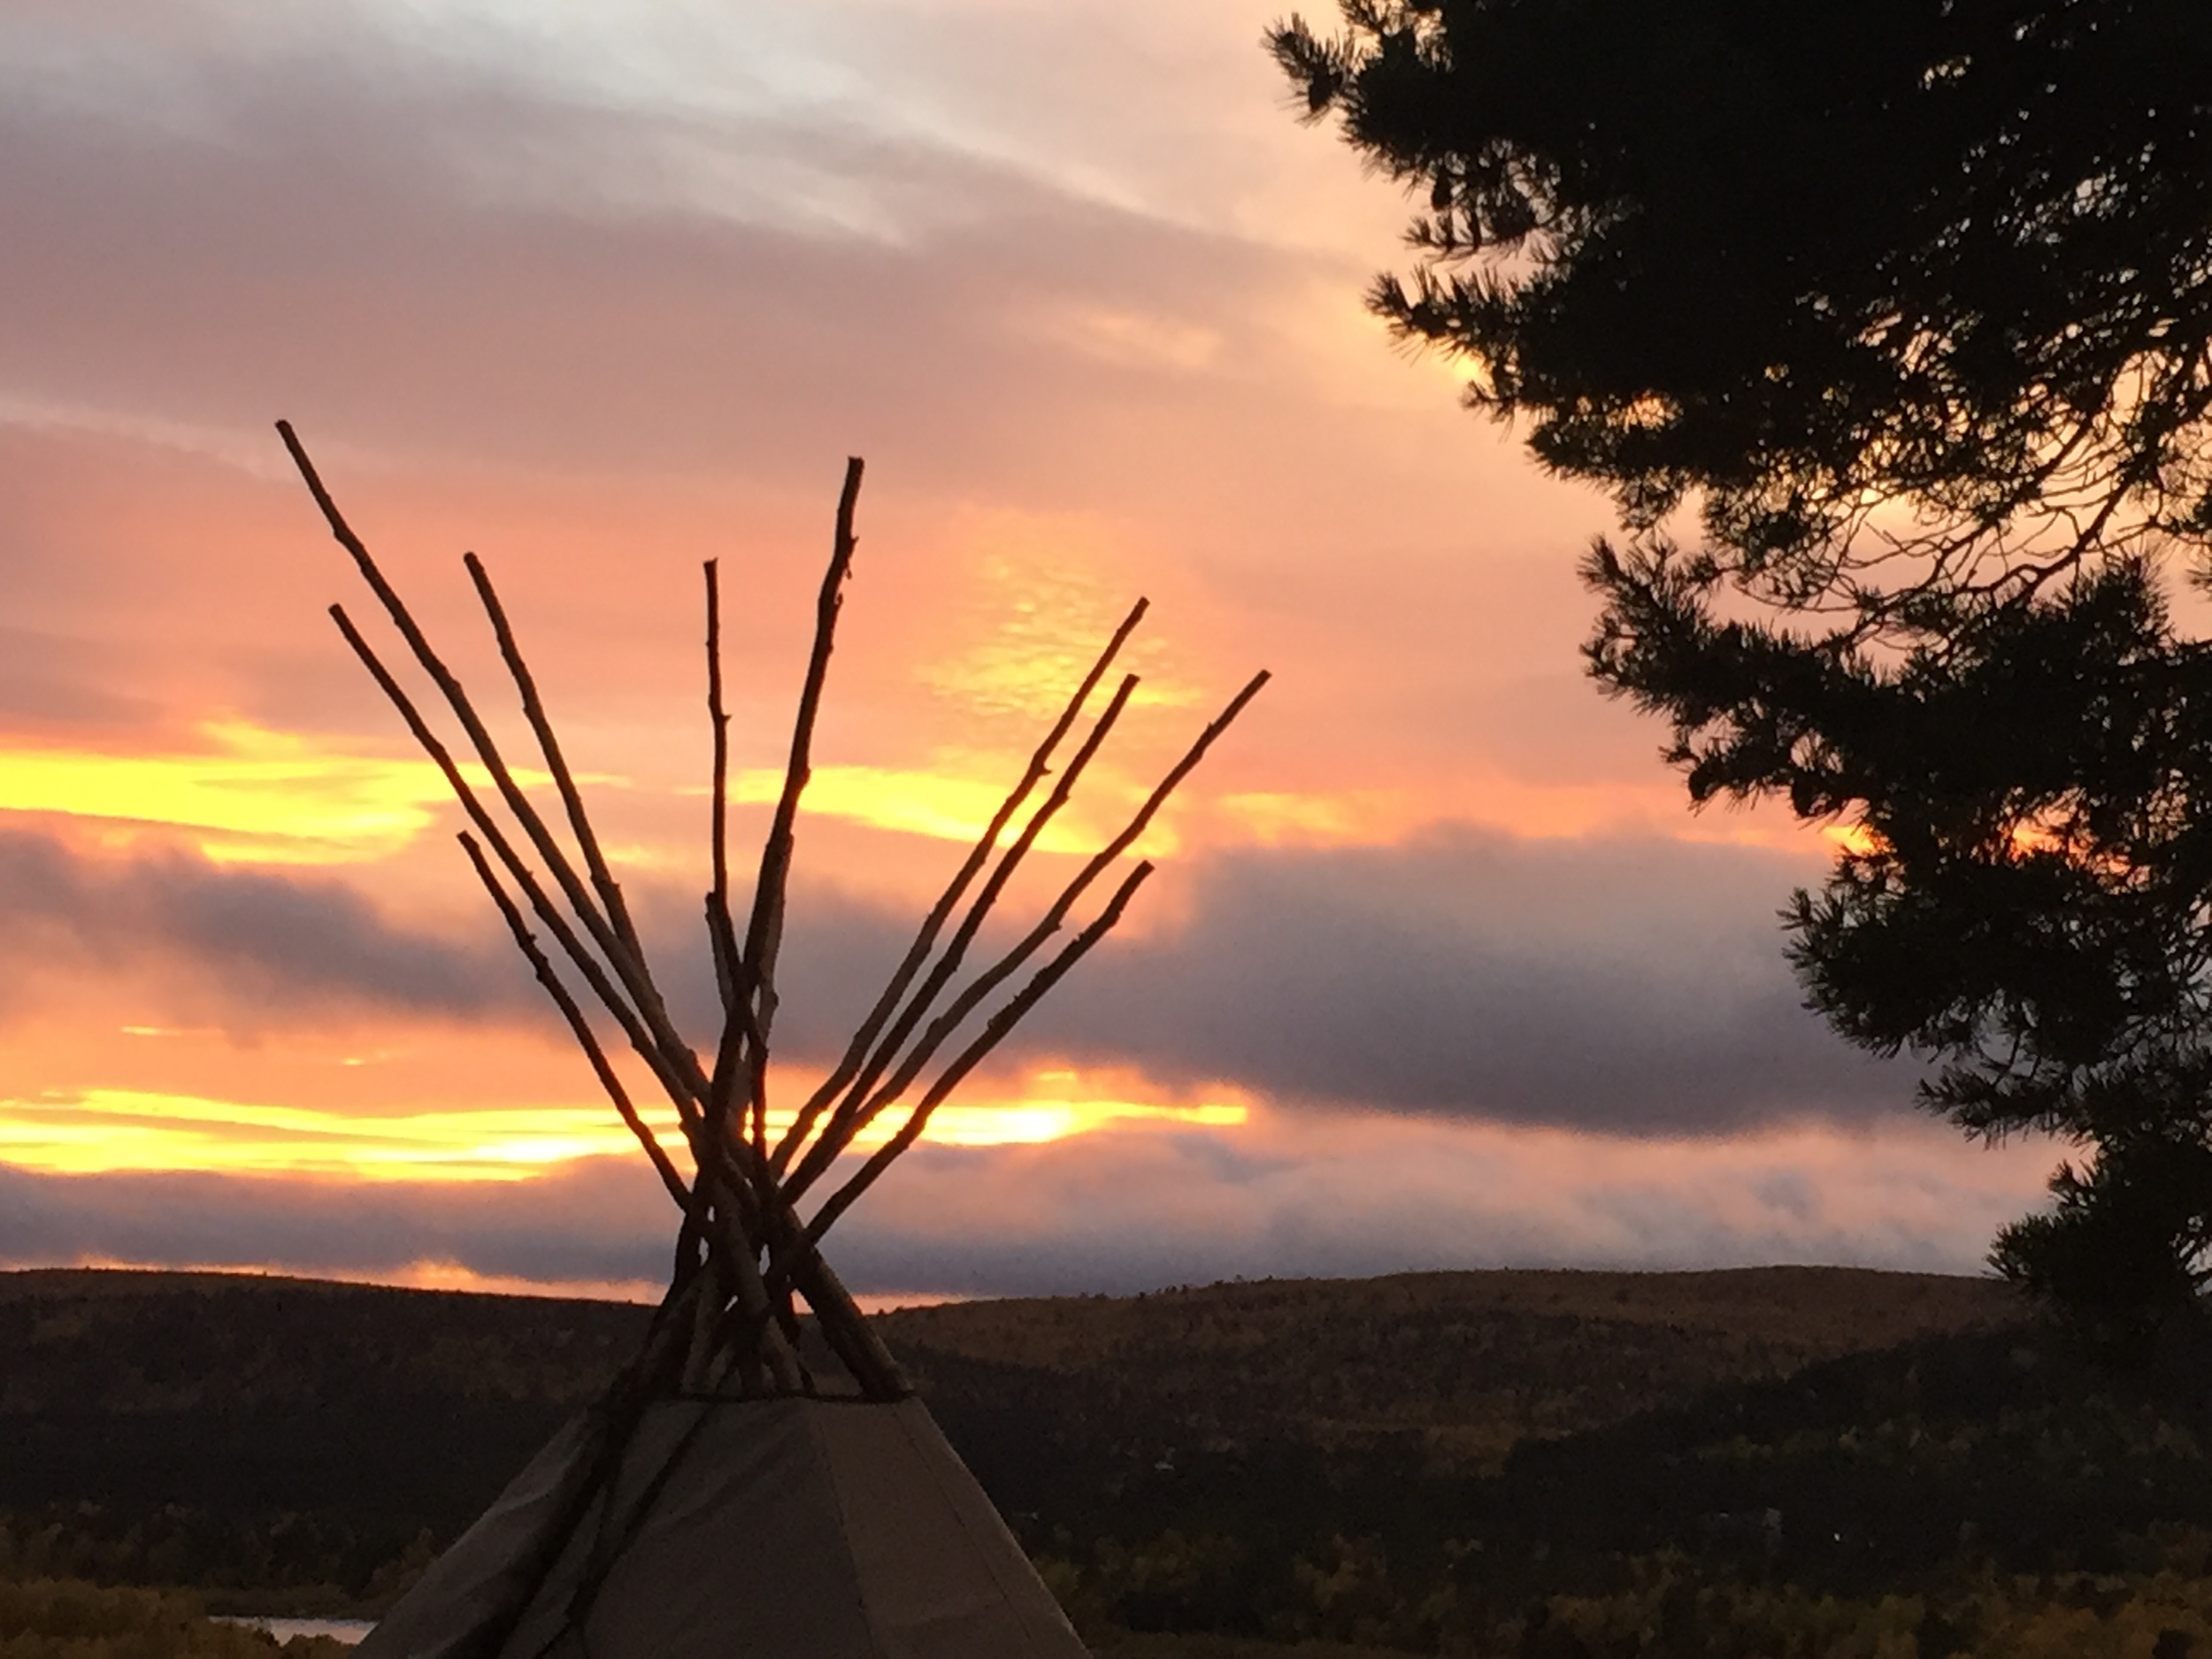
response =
{"points": [[1196, 1459]]}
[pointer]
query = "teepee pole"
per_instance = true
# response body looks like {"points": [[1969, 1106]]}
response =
{"points": [[740, 1054], [744, 1252], [942, 1027], [925, 940], [721, 934], [641, 1038], [533, 711], [851, 1338], [719, 725], [734, 1231], [763, 932], [970, 1058], [848, 1118], [630, 970], [579, 1026], [641, 1012]]}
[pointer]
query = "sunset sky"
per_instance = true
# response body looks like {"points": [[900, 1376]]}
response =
{"points": [[1439, 970]]}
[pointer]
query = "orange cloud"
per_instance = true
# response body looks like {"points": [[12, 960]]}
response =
{"points": [[915, 802], [253, 796], [111, 1130]]}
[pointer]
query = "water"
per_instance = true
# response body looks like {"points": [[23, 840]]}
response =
{"points": [[348, 1631]]}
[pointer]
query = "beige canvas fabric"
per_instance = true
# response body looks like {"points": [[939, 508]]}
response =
{"points": [[765, 1529]]}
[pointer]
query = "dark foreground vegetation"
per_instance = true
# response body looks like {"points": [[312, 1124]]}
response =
{"points": [[45, 1619], [1541, 1465]]}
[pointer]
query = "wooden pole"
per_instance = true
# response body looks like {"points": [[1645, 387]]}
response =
{"points": [[970, 1058], [578, 1026], [642, 1038], [533, 711], [764, 934], [859, 1087], [629, 969], [733, 1321], [833, 1141], [925, 940]]}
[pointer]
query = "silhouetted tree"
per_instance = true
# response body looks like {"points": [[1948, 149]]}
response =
{"points": [[1887, 324]]}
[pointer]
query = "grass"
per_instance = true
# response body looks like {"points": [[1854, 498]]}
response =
{"points": [[61, 1618], [1165, 1646]]}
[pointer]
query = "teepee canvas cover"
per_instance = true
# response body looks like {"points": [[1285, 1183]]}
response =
{"points": [[823, 1528], [720, 1500]]}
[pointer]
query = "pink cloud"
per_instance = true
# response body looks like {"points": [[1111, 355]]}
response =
{"points": [[611, 294]]}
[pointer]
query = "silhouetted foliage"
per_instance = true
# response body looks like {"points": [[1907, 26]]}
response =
{"points": [[1900, 312]]}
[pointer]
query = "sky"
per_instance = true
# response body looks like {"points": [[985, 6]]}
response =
{"points": [[1439, 969]]}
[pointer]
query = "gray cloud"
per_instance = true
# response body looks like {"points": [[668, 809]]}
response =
{"points": [[602, 1220], [49, 680], [244, 941], [403, 249], [1108, 1213], [220, 212], [1624, 985], [420, 254], [1632, 987]]}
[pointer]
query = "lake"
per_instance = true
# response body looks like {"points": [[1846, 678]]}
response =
{"points": [[345, 1630]]}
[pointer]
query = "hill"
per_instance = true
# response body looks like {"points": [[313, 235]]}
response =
{"points": [[1472, 1362], [1458, 1460]]}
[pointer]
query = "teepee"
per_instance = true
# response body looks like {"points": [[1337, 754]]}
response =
{"points": [[723, 1501]]}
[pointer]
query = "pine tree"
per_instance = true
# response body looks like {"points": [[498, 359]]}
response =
{"points": [[1888, 325]]}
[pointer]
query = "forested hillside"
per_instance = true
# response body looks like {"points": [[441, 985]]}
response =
{"points": [[1512, 1462]]}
